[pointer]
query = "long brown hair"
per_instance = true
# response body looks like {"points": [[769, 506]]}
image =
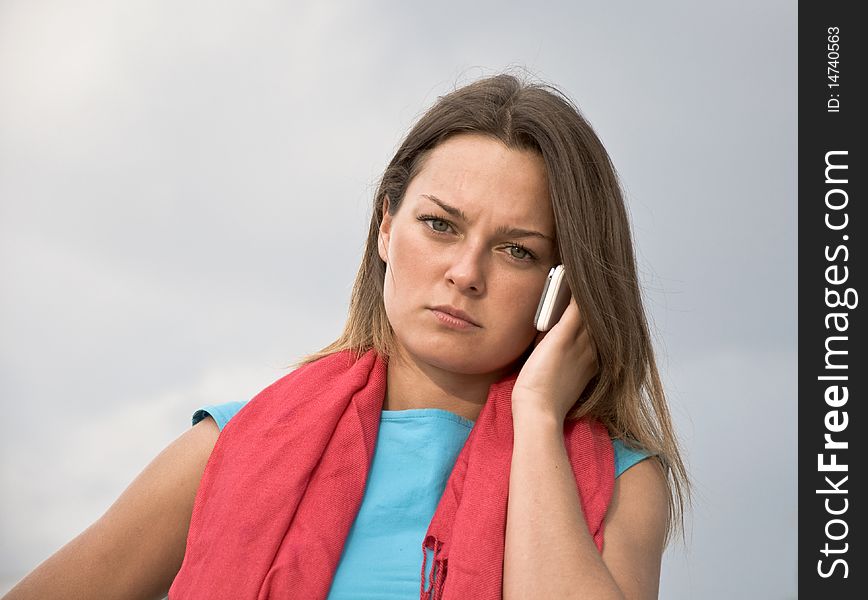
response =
{"points": [[594, 241]]}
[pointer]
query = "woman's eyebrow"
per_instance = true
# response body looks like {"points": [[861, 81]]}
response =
{"points": [[455, 212], [515, 232]]}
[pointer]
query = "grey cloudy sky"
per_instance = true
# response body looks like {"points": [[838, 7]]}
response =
{"points": [[184, 195]]}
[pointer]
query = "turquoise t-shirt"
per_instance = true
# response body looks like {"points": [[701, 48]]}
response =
{"points": [[415, 452]]}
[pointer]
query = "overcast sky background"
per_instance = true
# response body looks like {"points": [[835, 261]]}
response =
{"points": [[185, 190]]}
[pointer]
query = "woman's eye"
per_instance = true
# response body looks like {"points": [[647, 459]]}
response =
{"points": [[515, 251], [438, 225], [519, 253]]}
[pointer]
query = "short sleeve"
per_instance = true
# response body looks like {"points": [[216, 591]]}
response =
{"points": [[627, 456], [221, 413]]}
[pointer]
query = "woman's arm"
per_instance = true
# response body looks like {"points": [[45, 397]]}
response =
{"points": [[550, 553], [135, 549]]}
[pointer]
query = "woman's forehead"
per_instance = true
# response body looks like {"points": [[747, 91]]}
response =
{"points": [[480, 176]]}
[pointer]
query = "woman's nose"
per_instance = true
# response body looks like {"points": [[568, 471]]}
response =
{"points": [[466, 271]]}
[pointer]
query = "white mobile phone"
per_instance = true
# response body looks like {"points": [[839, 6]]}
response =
{"points": [[554, 301]]}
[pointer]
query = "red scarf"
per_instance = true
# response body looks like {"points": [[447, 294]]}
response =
{"points": [[286, 478]]}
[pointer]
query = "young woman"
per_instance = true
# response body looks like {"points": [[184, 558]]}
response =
{"points": [[442, 446]]}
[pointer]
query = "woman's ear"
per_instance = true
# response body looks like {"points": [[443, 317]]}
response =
{"points": [[385, 231]]}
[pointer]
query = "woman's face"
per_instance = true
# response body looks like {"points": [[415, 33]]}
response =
{"points": [[475, 233]]}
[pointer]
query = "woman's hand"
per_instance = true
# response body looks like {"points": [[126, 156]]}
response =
{"points": [[562, 363]]}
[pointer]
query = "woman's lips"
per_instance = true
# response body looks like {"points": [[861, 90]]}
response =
{"points": [[452, 321]]}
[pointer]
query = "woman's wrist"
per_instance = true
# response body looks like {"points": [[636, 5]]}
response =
{"points": [[536, 418]]}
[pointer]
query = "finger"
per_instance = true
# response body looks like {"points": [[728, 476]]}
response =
{"points": [[592, 347], [572, 318], [579, 312]]}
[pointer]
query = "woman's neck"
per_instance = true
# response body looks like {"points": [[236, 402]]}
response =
{"points": [[413, 384]]}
